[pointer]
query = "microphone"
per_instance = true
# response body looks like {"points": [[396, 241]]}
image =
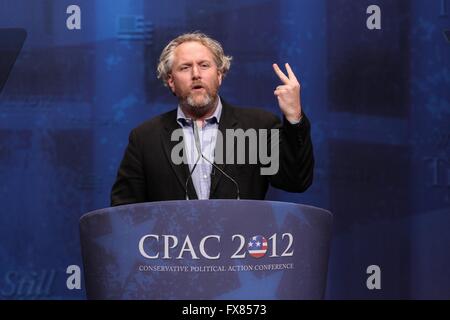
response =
{"points": [[200, 154], [192, 171]]}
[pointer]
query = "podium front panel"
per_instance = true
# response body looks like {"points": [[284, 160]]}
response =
{"points": [[206, 249]]}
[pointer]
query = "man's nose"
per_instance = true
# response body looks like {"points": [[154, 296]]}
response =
{"points": [[195, 72]]}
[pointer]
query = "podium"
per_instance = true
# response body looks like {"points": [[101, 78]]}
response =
{"points": [[206, 249]]}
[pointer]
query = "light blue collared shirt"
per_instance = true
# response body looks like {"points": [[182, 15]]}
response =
{"points": [[201, 177]]}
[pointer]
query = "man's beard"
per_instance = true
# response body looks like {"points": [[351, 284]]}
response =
{"points": [[198, 108]]}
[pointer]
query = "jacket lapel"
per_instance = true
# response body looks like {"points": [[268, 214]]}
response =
{"points": [[181, 171], [227, 120]]}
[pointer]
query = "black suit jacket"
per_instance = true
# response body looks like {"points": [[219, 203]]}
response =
{"points": [[147, 173]]}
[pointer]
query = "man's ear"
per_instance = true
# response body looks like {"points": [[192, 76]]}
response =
{"points": [[220, 76], [170, 83]]}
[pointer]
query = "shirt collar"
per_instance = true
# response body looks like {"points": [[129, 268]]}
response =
{"points": [[214, 118]]}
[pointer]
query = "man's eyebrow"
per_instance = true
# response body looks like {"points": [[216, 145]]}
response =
{"points": [[189, 63]]}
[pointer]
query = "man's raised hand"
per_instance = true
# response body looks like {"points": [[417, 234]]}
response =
{"points": [[288, 94]]}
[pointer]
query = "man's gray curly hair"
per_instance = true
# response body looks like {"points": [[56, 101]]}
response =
{"points": [[222, 61]]}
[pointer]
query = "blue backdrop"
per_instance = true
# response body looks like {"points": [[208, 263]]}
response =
{"points": [[378, 101]]}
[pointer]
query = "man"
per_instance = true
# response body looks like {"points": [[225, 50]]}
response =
{"points": [[193, 67]]}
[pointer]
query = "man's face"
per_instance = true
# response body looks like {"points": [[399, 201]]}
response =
{"points": [[195, 78]]}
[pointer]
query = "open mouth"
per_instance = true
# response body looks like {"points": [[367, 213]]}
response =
{"points": [[197, 87]]}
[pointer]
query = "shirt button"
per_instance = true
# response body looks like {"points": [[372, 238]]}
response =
{"points": [[205, 176]]}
